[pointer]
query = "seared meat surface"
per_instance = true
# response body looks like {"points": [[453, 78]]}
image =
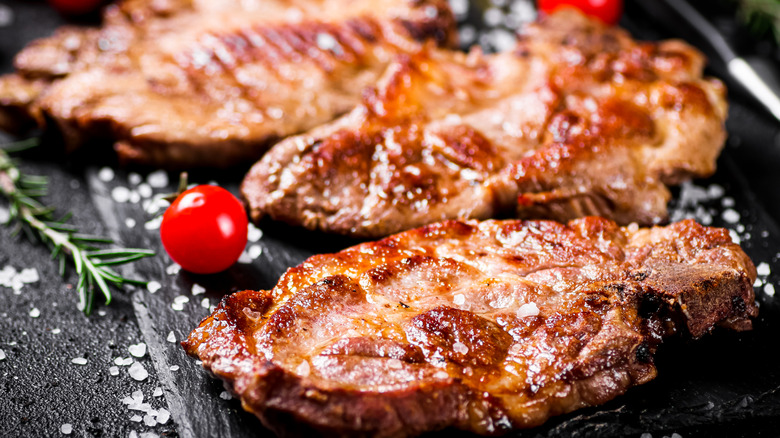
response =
{"points": [[482, 326], [181, 83], [577, 120]]}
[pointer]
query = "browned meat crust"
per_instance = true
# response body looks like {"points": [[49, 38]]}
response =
{"points": [[181, 83], [481, 326], [578, 120]]}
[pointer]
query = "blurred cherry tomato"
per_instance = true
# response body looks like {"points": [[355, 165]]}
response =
{"points": [[204, 230], [608, 11], [75, 7]]}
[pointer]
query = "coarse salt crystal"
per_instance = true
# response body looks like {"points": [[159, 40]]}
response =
{"points": [[137, 350], [138, 396], [137, 418], [178, 302], [149, 420], [769, 289], [66, 429], [134, 178], [158, 392], [106, 174], [157, 179], [2, 354], [205, 303], [153, 286], [174, 368], [145, 190], [138, 372], [731, 216], [127, 400], [79, 361], [224, 395], [460, 348], [34, 312], [763, 269], [198, 289], [120, 194], [173, 269], [244, 258], [171, 337], [130, 222], [253, 233], [28, 275], [459, 299], [441, 375], [153, 224], [528, 309], [114, 371], [303, 369], [163, 415], [5, 215], [395, 364]]}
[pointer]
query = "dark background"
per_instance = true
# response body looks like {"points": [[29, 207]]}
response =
{"points": [[723, 385]]}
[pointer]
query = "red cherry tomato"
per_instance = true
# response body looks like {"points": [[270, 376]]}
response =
{"points": [[75, 7], [608, 11], [204, 230]]}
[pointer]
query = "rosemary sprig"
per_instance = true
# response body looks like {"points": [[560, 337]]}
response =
{"points": [[37, 222]]}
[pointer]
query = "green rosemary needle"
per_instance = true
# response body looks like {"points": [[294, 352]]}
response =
{"points": [[37, 222]]}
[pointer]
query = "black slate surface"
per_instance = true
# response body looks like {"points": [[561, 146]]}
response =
{"points": [[723, 385]]}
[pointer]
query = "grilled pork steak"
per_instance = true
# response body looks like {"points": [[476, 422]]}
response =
{"points": [[180, 83], [577, 120], [481, 326]]}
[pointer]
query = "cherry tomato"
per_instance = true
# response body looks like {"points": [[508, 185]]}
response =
{"points": [[75, 7], [204, 230], [608, 11]]}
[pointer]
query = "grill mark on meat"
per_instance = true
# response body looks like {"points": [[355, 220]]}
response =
{"points": [[213, 84], [480, 326]]}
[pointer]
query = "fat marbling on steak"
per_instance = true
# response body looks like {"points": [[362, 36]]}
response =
{"points": [[481, 326], [181, 83], [578, 119]]}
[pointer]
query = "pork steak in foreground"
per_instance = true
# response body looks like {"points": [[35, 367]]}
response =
{"points": [[482, 326], [577, 120], [213, 83]]}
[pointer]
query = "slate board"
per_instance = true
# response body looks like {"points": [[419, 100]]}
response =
{"points": [[724, 384]]}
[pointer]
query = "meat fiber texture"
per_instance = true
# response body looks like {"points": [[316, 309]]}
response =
{"points": [[185, 83], [481, 326], [578, 119]]}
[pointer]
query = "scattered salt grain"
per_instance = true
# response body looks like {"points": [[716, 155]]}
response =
{"points": [[253, 233], [134, 178], [244, 258], [157, 179], [224, 395], [28, 275], [727, 201], [303, 369], [173, 269], [178, 302], [137, 350], [460, 348], [198, 289], [137, 418], [114, 371], [763, 269], [325, 41], [130, 222], [79, 361], [138, 372], [123, 362], [153, 286], [174, 368], [2, 354], [56, 331], [459, 299], [205, 303], [66, 429], [145, 190], [676, 435], [106, 174], [528, 309], [134, 197], [254, 251], [731, 216], [163, 415], [441, 375], [158, 392], [395, 364], [34, 312], [735, 237], [4, 215], [171, 337], [769, 289], [149, 420], [646, 435], [120, 194]]}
